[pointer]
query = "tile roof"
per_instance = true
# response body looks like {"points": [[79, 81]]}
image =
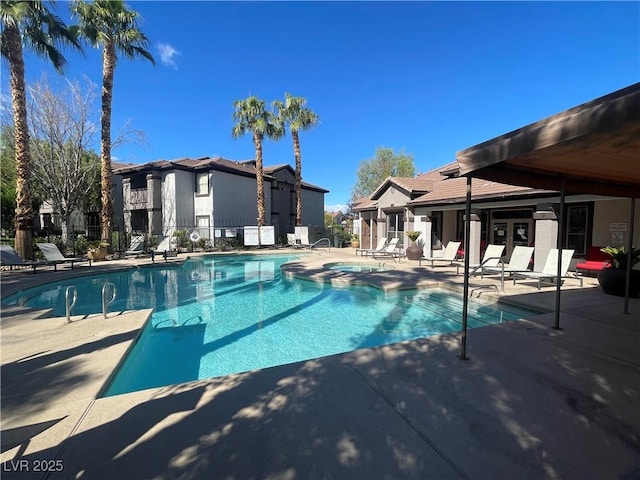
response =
{"points": [[244, 167], [454, 190], [441, 186]]}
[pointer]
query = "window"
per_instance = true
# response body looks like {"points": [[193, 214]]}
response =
{"points": [[577, 226], [436, 230], [202, 184], [202, 222], [395, 225], [138, 181]]}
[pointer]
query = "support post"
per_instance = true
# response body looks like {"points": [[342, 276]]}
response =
{"points": [[465, 299], [632, 215], [556, 323]]}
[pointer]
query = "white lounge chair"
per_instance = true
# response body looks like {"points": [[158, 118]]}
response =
{"points": [[449, 254], [365, 252], [550, 270], [53, 255], [292, 242], [491, 258], [136, 247], [519, 262], [10, 258], [391, 250]]}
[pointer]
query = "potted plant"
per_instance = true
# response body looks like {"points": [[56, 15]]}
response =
{"points": [[612, 278], [414, 251], [355, 240], [97, 250]]}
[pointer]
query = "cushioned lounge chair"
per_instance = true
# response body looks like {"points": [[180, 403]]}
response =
{"points": [[365, 252], [449, 254], [53, 255], [10, 258], [549, 272]]}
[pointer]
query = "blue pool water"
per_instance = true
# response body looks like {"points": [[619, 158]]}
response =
{"points": [[227, 314]]}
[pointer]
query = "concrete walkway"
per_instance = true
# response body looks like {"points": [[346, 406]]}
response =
{"points": [[531, 402]]}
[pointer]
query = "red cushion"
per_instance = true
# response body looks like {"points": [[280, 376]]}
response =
{"points": [[588, 265], [596, 255]]}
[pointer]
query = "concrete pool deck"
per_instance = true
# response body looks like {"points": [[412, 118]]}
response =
{"points": [[530, 402]]}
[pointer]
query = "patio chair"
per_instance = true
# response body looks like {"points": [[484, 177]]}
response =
{"points": [[10, 258], [550, 270], [391, 250], [136, 247], [365, 252], [449, 254], [292, 242], [491, 258], [55, 256]]}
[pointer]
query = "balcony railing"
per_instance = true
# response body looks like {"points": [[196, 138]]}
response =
{"points": [[138, 199]]}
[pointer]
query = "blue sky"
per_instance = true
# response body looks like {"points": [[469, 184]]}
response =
{"points": [[429, 78]]}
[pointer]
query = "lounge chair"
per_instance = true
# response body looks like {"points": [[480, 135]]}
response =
{"points": [[365, 252], [55, 256], [550, 270], [292, 242], [136, 247], [491, 258], [10, 258], [449, 254], [391, 250], [519, 262]]}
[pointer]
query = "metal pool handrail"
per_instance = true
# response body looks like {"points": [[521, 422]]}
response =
{"points": [[105, 302], [69, 303]]}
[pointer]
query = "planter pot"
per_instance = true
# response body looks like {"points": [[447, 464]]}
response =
{"points": [[414, 252], [355, 244], [97, 254], [612, 281]]}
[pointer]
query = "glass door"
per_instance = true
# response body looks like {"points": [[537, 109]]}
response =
{"points": [[511, 233]]}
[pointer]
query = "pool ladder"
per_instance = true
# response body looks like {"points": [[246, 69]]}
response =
{"points": [[105, 303], [71, 297]]}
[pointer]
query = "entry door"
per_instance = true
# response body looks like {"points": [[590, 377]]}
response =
{"points": [[511, 233]]}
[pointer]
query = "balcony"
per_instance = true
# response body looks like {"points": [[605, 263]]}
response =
{"points": [[138, 199]]}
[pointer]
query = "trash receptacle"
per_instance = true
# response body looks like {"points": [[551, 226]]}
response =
{"points": [[337, 241]]}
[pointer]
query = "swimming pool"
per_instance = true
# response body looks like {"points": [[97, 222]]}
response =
{"points": [[226, 314]]}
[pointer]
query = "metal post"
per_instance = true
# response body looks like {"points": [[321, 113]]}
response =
{"points": [[465, 299], [632, 215], [556, 324]]}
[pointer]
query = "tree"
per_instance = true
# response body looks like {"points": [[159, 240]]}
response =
{"points": [[250, 115], [112, 27], [296, 116], [8, 177], [63, 130], [372, 172], [30, 23]]}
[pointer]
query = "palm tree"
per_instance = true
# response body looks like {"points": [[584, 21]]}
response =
{"points": [[296, 116], [30, 23], [112, 27], [251, 116]]}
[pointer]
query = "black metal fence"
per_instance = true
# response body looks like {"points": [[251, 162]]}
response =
{"points": [[81, 237]]}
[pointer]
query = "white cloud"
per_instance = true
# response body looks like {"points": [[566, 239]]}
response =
{"points": [[335, 208], [167, 54]]}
